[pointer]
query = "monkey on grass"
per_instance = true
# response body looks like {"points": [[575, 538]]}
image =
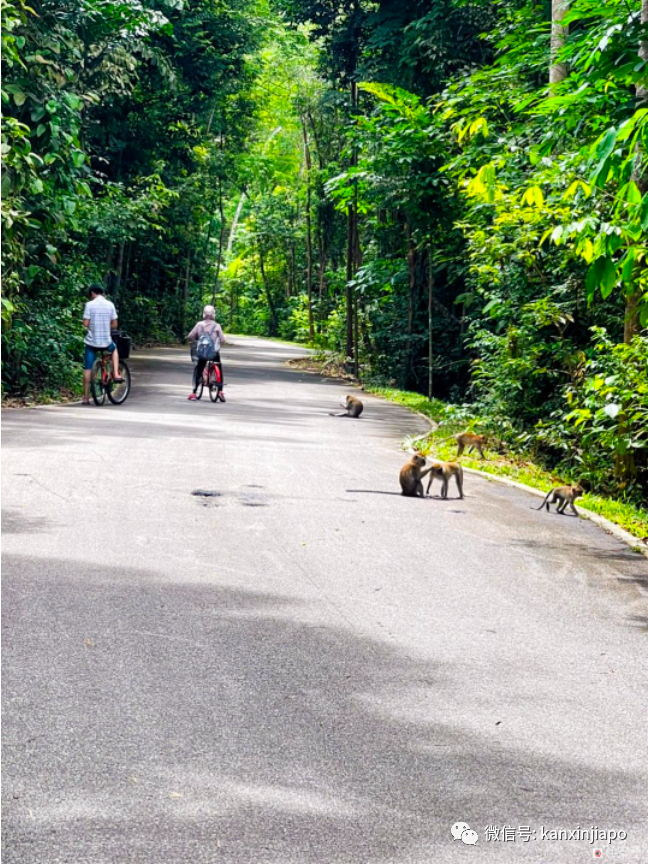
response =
{"points": [[411, 476], [471, 441], [354, 407], [562, 496], [444, 471]]}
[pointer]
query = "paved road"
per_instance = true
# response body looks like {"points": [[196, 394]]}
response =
{"points": [[305, 667]]}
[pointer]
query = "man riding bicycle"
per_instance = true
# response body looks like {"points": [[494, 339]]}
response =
{"points": [[99, 319], [209, 329]]}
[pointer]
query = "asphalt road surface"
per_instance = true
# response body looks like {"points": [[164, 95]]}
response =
{"points": [[305, 666]]}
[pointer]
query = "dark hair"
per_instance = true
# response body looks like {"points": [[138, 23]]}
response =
{"points": [[95, 288]]}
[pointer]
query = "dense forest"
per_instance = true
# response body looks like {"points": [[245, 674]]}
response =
{"points": [[450, 195]]}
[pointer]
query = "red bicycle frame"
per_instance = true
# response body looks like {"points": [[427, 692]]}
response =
{"points": [[211, 369]]}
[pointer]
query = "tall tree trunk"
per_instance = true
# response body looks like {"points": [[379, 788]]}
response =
{"points": [[185, 302], [557, 71], [356, 341], [411, 270], [322, 256], [109, 258], [124, 279], [120, 267], [221, 241], [352, 244], [322, 269], [430, 317], [289, 272], [632, 325], [349, 288], [357, 263], [221, 212], [309, 242]]}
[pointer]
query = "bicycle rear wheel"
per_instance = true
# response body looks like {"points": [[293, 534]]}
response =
{"points": [[213, 383], [198, 384], [118, 393], [97, 387]]}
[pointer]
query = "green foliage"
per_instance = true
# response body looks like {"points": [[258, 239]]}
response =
{"points": [[121, 130], [609, 410]]}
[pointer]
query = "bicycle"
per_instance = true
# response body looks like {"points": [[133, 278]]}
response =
{"points": [[210, 378], [102, 384]]}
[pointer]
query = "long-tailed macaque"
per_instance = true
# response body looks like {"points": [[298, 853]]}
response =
{"points": [[444, 471], [354, 407], [411, 476], [471, 441], [562, 496]]}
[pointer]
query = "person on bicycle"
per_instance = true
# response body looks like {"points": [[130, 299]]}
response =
{"points": [[210, 327], [99, 318]]}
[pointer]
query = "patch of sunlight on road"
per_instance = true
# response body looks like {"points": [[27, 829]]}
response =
{"points": [[200, 793], [190, 420], [291, 799]]}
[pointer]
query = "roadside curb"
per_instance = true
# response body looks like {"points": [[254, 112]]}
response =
{"points": [[609, 527]]}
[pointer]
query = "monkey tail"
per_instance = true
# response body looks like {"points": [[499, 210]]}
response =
{"points": [[544, 502], [447, 438]]}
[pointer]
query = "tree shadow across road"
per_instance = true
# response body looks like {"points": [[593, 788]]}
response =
{"points": [[156, 721]]}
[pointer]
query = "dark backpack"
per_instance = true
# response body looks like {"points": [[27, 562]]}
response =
{"points": [[206, 348]]}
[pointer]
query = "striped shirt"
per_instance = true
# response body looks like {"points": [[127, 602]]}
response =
{"points": [[100, 312]]}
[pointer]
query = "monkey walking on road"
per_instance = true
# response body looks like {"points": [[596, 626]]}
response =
{"points": [[354, 407], [562, 496], [444, 471], [411, 477]]}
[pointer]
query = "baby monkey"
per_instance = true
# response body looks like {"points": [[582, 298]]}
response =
{"points": [[411, 476], [354, 407], [562, 496], [444, 471], [471, 441]]}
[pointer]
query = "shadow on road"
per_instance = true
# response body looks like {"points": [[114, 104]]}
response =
{"points": [[15, 521], [156, 730]]}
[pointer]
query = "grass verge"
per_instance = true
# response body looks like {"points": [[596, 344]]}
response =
{"points": [[516, 467]]}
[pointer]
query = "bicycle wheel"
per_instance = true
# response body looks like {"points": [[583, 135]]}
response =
{"points": [[97, 387], [199, 384], [213, 383], [118, 393]]}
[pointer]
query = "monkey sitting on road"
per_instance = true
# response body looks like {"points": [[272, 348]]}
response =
{"points": [[562, 496], [411, 476], [354, 407], [471, 441], [444, 471]]}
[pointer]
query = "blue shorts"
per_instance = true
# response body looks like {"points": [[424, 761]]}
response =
{"points": [[90, 354]]}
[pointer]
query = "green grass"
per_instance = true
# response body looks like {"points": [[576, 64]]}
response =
{"points": [[632, 518]]}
